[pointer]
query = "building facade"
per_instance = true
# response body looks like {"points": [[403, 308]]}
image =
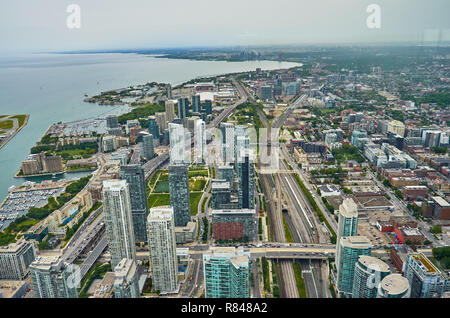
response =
{"points": [[226, 273], [162, 246], [135, 177], [118, 220]]}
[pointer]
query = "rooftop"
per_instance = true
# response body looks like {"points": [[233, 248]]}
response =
{"points": [[395, 284]]}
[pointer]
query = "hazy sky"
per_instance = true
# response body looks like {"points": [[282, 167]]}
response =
{"points": [[40, 25]]}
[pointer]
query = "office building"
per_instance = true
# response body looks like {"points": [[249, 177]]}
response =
{"points": [[135, 177], [126, 280], [15, 259], [199, 141], [162, 246], [394, 286], [234, 224], [118, 220], [170, 111], [52, 278], [246, 178], [226, 273], [147, 147], [369, 272], [351, 247], [425, 279], [179, 193]]}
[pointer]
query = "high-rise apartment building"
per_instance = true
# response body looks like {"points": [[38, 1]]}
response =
{"points": [[394, 286], [135, 177], [162, 246], [425, 279], [196, 103], [179, 193], [347, 222], [153, 127], [118, 220], [227, 131], [183, 107], [351, 247], [52, 278], [226, 273], [170, 111], [126, 280], [147, 147], [180, 144], [369, 272], [15, 260], [199, 141]]}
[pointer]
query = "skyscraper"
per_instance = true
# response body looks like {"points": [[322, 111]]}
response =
{"points": [[227, 131], [226, 273], [52, 278], [394, 286], [135, 177], [153, 127], [111, 121], [369, 272], [126, 283], [425, 279], [208, 107], [347, 222], [170, 111], [246, 178], [199, 141], [351, 247], [241, 142], [179, 193], [162, 246], [147, 147], [196, 103], [183, 110], [180, 144], [162, 123], [169, 91], [118, 220]]}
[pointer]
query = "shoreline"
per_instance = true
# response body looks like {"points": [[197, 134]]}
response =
{"points": [[8, 139]]}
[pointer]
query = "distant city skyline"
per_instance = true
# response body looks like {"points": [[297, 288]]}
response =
{"points": [[109, 25]]}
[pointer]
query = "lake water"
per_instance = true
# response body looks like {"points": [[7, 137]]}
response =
{"points": [[51, 88]]}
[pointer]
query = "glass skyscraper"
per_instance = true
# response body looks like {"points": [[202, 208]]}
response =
{"points": [[351, 247], [179, 193], [135, 177], [226, 273], [369, 272], [246, 177]]}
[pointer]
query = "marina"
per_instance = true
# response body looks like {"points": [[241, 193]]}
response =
{"points": [[20, 200]]}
